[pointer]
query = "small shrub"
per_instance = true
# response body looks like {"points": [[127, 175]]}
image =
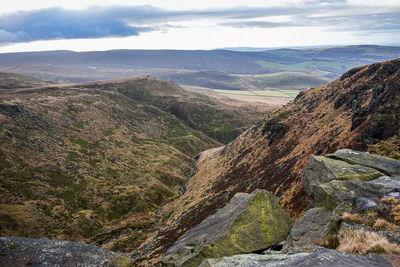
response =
{"points": [[372, 214], [383, 224], [380, 223], [331, 241], [394, 212], [284, 114], [390, 200], [352, 218]]}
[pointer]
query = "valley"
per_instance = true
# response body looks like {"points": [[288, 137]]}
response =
{"points": [[132, 164], [358, 111], [94, 161]]}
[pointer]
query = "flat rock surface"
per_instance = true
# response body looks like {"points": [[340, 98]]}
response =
{"points": [[18, 251], [319, 257], [384, 164]]}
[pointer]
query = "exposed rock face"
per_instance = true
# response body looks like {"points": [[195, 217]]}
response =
{"points": [[353, 182], [319, 257], [360, 196], [309, 228], [250, 222], [17, 251]]}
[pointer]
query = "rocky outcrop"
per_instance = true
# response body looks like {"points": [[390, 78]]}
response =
{"points": [[346, 181], [319, 257], [18, 251], [320, 170], [250, 222]]}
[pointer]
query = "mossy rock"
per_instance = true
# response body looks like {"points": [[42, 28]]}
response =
{"points": [[249, 222], [320, 170]]}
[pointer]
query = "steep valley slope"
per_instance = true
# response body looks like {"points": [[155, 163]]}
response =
{"points": [[93, 162], [361, 110]]}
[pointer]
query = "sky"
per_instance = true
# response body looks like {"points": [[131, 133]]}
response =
{"points": [[87, 25]]}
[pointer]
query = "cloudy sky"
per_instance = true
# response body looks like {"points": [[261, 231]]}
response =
{"points": [[84, 25]]}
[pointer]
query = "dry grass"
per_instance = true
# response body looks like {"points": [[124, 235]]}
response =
{"points": [[363, 242], [353, 218], [383, 224], [396, 213], [395, 208], [380, 223], [390, 200], [331, 241]]}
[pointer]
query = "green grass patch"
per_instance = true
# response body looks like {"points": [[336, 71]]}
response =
{"points": [[80, 124], [263, 93], [79, 141], [120, 205], [169, 179], [73, 156], [176, 129], [312, 64]]}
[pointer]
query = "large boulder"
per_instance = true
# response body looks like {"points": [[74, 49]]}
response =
{"points": [[320, 170], [309, 228], [248, 223], [18, 251], [384, 164], [319, 257], [345, 181]]}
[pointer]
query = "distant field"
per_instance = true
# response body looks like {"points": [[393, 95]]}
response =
{"points": [[332, 66], [278, 94]]}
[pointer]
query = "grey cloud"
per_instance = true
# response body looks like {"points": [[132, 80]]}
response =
{"points": [[58, 23], [121, 21], [99, 22], [370, 22], [257, 24]]}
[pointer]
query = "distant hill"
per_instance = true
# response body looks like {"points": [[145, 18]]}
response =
{"points": [[94, 161], [11, 81], [68, 66], [222, 80]]}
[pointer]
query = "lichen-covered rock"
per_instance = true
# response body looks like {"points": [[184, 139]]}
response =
{"points": [[320, 170], [346, 181], [18, 251], [361, 196], [384, 164], [249, 222], [319, 257]]}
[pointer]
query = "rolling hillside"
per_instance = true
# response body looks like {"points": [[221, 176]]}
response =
{"points": [[94, 161], [220, 69]]}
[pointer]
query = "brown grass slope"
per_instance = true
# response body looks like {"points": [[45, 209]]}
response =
{"points": [[94, 161], [11, 81], [361, 110]]}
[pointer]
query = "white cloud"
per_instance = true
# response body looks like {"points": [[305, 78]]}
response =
{"points": [[213, 24]]}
